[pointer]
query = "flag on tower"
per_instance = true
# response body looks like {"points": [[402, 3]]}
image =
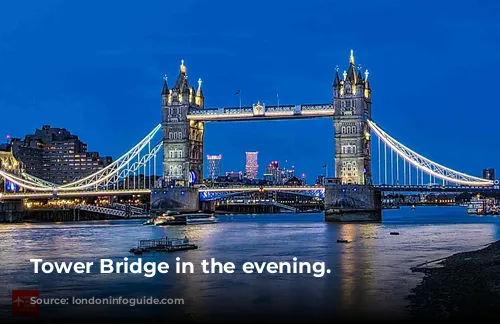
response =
{"points": [[238, 92]]}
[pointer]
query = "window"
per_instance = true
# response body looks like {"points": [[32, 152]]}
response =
{"points": [[348, 149], [175, 154]]}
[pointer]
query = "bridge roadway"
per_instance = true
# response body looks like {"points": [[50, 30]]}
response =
{"points": [[74, 194], [438, 188], [207, 193], [261, 111]]}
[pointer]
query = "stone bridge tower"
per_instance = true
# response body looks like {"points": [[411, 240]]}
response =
{"points": [[182, 138], [352, 102]]}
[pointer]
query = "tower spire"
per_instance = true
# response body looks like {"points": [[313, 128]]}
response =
{"points": [[199, 99], [336, 81], [164, 90], [199, 87], [183, 67], [351, 58]]}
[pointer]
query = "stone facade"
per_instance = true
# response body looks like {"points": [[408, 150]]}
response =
{"points": [[182, 138], [352, 102], [176, 198], [352, 203]]}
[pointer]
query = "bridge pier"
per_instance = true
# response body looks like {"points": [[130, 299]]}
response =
{"points": [[352, 203], [182, 199], [11, 211]]}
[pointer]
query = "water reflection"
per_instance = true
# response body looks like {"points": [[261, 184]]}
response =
{"points": [[369, 274]]}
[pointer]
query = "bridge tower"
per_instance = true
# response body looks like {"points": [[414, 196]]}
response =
{"points": [[353, 198], [352, 102], [182, 138]]}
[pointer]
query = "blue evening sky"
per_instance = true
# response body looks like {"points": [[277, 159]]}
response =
{"points": [[96, 68]]}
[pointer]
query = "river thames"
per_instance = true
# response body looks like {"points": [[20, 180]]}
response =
{"points": [[369, 276]]}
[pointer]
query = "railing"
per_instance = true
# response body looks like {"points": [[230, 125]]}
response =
{"points": [[265, 187], [261, 202], [108, 211], [132, 209]]}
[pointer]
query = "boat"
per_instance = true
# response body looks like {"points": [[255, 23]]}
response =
{"points": [[166, 218], [413, 207], [477, 206], [186, 219], [200, 218], [163, 245]]}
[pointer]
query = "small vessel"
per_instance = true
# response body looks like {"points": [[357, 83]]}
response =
{"points": [[413, 207], [168, 218], [477, 206], [394, 233], [149, 222], [163, 245], [200, 218], [186, 219]]}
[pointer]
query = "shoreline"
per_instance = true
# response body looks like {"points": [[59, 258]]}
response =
{"points": [[463, 285]]}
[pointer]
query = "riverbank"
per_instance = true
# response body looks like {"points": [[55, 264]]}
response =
{"points": [[464, 285]]}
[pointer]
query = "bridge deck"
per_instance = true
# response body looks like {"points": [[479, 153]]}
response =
{"points": [[259, 112]]}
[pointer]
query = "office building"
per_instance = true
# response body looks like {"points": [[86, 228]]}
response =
{"points": [[56, 155], [273, 174], [489, 174], [252, 166], [214, 166], [234, 176]]}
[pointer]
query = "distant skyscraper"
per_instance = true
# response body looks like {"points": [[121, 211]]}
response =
{"points": [[214, 166], [489, 174], [251, 166], [272, 173]]}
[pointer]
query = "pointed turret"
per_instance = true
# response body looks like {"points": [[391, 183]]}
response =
{"points": [[368, 90], [200, 98], [359, 76], [164, 90], [351, 72], [182, 84], [336, 81], [199, 92]]}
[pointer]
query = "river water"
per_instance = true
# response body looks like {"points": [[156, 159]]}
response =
{"points": [[370, 276]]}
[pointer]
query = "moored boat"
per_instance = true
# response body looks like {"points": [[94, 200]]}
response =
{"points": [[187, 219]]}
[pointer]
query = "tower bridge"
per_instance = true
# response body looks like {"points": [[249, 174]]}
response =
{"points": [[179, 143]]}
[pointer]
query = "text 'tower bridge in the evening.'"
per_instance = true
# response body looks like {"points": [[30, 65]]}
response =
{"points": [[176, 146]]}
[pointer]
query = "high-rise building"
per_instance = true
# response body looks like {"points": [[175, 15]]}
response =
{"points": [[56, 155], [352, 102], [272, 174], [214, 169], [489, 174], [252, 166], [233, 176]]}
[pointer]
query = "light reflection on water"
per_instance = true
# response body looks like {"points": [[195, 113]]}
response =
{"points": [[369, 274]]}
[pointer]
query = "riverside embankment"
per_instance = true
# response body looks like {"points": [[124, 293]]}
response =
{"points": [[464, 285]]}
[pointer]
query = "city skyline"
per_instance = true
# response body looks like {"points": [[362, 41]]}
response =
{"points": [[100, 97], [214, 165]]}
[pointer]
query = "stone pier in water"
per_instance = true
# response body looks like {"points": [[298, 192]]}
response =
{"points": [[352, 203]]}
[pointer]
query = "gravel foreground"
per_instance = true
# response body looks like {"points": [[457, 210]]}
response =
{"points": [[463, 286]]}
